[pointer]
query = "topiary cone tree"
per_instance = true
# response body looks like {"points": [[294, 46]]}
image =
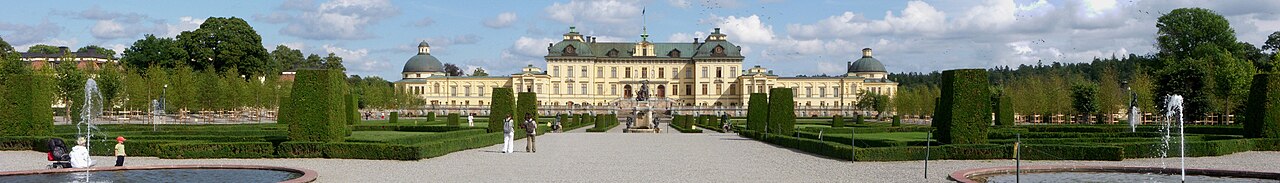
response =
{"points": [[965, 107], [317, 107], [1262, 111], [501, 102], [527, 103], [1004, 111], [782, 115]]}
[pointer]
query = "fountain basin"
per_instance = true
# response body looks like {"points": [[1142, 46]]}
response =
{"points": [[1108, 174], [165, 173]]}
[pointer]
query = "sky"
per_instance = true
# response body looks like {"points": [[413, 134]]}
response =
{"points": [[792, 37]]}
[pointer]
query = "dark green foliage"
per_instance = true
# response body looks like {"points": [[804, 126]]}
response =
{"points": [[1189, 79], [603, 123], [395, 117], [353, 111], [300, 150], [502, 100], [216, 150], [859, 119], [702, 120], [782, 116], [757, 111], [528, 104], [1084, 99], [25, 110], [453, 119], [431, 117], [318, 107], [897, 120], [409, 128], [837, 121], [1004, 111], [1262, 110], [965, 107]]}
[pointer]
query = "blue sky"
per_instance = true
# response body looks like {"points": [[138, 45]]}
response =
{"points": [[792, 37]]}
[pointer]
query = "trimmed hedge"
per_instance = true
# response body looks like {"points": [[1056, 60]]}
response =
{"points": [[395, 117], [837, 121], [603, 123], [353, 110], [1262, 110], [431, 117], [216, 150], [301, 150], [965, 107], [686, 125], [317, 107], [757, 111], [782, 116], [411, 128], [528, 104], [502, 100], [453, 120], [859, 119], [24, 110], [1004, 111], [897, 120]]}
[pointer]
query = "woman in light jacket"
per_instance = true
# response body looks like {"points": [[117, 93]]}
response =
{"points": [[508, 134], [80, 154]]}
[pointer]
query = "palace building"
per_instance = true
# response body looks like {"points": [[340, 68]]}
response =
{"points": [[582, 72]]}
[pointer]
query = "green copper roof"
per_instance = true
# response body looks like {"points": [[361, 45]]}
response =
{"points": [[423, 62], [867, 64]]}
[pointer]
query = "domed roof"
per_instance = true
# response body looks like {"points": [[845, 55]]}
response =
{"points": [[423, 44], [423, 62], [867, 63]]}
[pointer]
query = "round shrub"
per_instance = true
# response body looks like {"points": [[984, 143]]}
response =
{"points": [[782, 115]]}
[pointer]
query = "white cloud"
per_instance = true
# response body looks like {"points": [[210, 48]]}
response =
{"points": [[424, 22], [183, 24], [686, 37], [22, 34], [336, 19], [608, 17], [503, 20], [528, 47], [745, 29], [679, 3], [357, 60], [51, 41]]}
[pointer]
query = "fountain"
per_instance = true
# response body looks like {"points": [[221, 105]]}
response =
{"points": [[1068, 173]]}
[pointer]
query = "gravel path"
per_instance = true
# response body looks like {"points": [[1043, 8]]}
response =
{"points": [[667, 157]]}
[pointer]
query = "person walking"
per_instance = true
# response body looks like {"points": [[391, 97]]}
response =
{"points": [[507, 134], [471, 119], [120, 151], [530, 127]]}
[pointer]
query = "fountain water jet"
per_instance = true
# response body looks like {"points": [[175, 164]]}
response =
{"points": [[1173, 112]]}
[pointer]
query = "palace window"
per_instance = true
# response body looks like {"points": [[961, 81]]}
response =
{"points": [[704, 89], [568, 88], [453, 91], [733, 71], [688, 73], [556, 90], [555, 71], [599, 72], [718, 89], [599, 88], [614, 72], [822, 92], [674, 90], [466, 91], [613, 90], [584, 89], [718, 51], [612, 53], [569, 71], [704, 72], [688, 89], [675, 73], [718, 73], [627, 73], [661, 72], [644, 72], [674, 53], [569, 51], [584, 72]]}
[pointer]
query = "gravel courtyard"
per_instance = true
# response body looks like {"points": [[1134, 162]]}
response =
{"points": [[618, 157]]}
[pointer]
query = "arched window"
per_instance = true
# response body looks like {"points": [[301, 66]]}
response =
{"points": [[673, 53], [569, 51], [626, 91]]}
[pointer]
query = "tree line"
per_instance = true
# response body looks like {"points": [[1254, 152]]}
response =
{"points": [[1198, 57]]}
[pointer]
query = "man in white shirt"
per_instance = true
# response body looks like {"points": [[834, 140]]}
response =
{"points": [[471, 119]]}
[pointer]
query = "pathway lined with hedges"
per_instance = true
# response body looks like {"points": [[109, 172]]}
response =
{"points": [[619, 157]]}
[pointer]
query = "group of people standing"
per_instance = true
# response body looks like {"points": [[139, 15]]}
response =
{"points": [[508, 133]]}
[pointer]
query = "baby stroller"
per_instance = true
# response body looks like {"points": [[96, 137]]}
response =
{"points": [[58, 154]]}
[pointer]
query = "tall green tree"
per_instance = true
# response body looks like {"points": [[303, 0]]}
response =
{"points": [[44, 49], [479, 72], [110, 82], [7, 51], [71, 81], [150, 50], [222, 43], [334, 62], [1084, 99], [1180, 31], [1273, 42], [99, 50], [157, 79], [452, 70], [313, 61], [182, 91], [288, 59], [1230, 79]]}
